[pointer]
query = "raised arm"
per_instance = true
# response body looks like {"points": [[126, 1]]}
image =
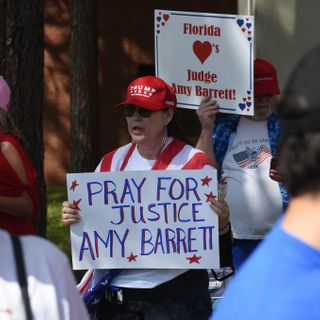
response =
{"points": [[206, 113]]}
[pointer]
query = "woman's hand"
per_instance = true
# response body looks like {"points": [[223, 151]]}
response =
{"points": [[221, 208], [275, 175], [69, 215], [207, 112]]}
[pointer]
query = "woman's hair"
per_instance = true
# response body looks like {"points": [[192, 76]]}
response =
{"points": [[173, 127], [299, 113], [7, 125]]}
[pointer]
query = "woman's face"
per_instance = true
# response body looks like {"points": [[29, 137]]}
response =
{"points": [[148, 131]]}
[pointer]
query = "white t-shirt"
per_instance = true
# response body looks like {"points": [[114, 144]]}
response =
{"points": [[141, 278], [254, 199], [51, 285]]}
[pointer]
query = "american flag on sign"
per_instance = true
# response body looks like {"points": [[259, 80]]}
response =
{"points": [[251, 157]]}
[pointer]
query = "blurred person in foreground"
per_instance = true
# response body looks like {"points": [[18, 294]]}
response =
{"points": [[149, 109], [286, 267], [19, 196], [49, 288]]}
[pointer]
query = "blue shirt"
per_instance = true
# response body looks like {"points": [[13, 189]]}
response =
{"points": [[280, 281]]}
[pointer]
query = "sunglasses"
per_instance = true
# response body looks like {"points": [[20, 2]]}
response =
{"points": [[129, 111]]}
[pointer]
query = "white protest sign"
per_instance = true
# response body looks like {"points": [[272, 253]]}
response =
{"points": [[202, 54], [144, 219]]}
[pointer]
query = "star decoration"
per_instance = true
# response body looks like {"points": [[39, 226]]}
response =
{"points": [[74, 185], [210, 196], [76, 204], [194, 259], [132, 257], [205, 181]]}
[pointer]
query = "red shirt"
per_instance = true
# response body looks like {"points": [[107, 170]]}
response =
{"points": [[12, 186]]}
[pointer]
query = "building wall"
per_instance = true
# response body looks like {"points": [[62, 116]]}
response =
{"points": [[126, 51], [284, 30]]}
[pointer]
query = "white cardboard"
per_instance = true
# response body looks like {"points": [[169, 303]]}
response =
{"points": [[178, 228], [203, 54]]}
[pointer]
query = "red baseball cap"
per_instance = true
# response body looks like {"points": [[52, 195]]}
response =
{"points": [[5, 94], [265, 78], [151, 93]]}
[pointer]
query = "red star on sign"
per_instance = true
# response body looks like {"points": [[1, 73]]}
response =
{"points": [[210, 196], [76, 204], [132, 257], [194, 259], [205, 181], [74, 185]]}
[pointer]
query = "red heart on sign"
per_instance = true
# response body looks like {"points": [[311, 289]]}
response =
{"points": [[166, 17], [202, 50]]}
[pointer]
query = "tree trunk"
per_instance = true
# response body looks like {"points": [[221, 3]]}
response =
{"points": [[84, 86], [21, 62]]}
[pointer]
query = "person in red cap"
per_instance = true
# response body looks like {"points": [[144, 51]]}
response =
{"points": [[242, 148], [149, 109], [19, 196]]}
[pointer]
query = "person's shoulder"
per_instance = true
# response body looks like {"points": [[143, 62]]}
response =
{"points": [[10, 144], [195, 158], [245, 295], [36, 245], [7, 146], [227, 122], [6, 137], [43, 247], [119, 149], [179, 144], [225, 118], [112, 157], [4, 237]]}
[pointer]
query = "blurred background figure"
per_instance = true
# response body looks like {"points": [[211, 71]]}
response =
{"points": [[19, 197], [280, 280]]}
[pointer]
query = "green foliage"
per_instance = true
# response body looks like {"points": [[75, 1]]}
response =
{"points": [[56, 231]]}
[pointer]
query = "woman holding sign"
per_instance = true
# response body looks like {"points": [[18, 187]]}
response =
{"points": [[150, 294]]}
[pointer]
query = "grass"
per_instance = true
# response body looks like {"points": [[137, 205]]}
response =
{"points": [[56, 231]]}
